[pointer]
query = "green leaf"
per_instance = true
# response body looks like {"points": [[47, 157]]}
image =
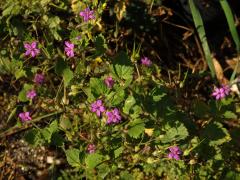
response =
{"points": [[230, 115], [137, 127], [65, 123], [130, 101], [202, 35], [100, 44], [158, 93], [13, 9], [62, 69], [230, 19], [33, 137], [53, 22], [48, 131], [67, 76], [46, 134], [93, 160], [118, 151], [122, 71], [137, 110], [216, 134], [201, 109], [20, 73], [115, 98], [73, 157], [22, 96], [125, 175], [103, 170], [60, 66], [122, 59], [57, 139], [174, 134], [233, 29], [98, 87], [232, 175]]}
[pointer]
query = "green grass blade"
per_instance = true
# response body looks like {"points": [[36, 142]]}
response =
{"points": [[230, 20], [202, 35]]}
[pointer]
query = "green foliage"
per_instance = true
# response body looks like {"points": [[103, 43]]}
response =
{"points": [[62, 69], [115, 98], [73, 157], [233, 29], [47, 132], [202, 35], [22, 96], [97, 87], [136, 128], [156, 111], [92, 160], [100, 44], [216, 134], [174, 132]]}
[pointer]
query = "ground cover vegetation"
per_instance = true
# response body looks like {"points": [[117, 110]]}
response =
{"points": [[107, 89]]}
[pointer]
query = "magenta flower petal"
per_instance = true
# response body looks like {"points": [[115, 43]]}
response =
{"points": [[25, 116], [38, 79], [109, 82], [31, 49], [91, 148], [222, 92], [87, 14], [113, 116], [34, 45], [174, 153], [27, 46], [31, 94], [69, 49], [146, 61], [97, 107]]}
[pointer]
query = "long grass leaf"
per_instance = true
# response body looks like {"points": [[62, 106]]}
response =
{"points": [[202, 35], [230, 20]]}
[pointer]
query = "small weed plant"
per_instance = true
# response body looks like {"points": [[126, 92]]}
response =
{"points": [[111, 114]]}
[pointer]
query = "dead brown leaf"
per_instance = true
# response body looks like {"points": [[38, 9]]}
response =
{"points": [[219, 72], [232, 63]]}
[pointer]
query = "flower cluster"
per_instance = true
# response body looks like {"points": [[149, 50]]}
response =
{"points": [[31, 94], [113, 116], [31, 49], [174, 153], [87, 14], [109, 82], [97, 107], [25, 116], [146, 61], [69, 49], [222, 92], [91, 148], [38, 79]]}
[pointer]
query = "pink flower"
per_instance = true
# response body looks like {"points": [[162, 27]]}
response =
{"points": [[87, 14], [31, 49], [25, 116], [174, 153], [69, 49], [97, 107], [78, 38], [31, 94], [114, 116], [220, 93], [146, 61], [91, 148], [109, 82], [38, 79]]}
